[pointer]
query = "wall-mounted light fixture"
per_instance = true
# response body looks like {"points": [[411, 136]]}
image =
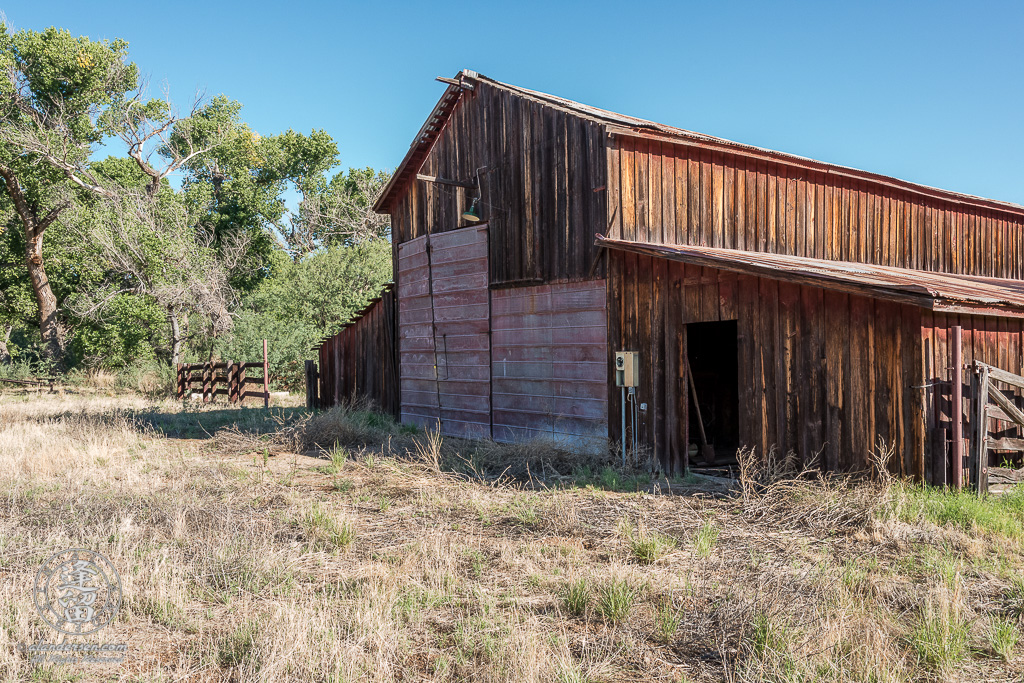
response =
{"points": [[471, 214]]}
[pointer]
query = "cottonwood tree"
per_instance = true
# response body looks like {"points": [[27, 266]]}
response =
{"points": [[61, 95], [339, 212], [153, 248], [241, 185], [53, 89]]}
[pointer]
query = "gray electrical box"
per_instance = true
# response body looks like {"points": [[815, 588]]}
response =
{"points": [[627, 369]]}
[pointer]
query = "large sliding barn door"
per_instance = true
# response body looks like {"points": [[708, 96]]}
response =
{"points": [[443, 327]]}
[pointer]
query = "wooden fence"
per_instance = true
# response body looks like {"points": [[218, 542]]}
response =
{"points": [[230, 376], [360, 361], [993, 410]]}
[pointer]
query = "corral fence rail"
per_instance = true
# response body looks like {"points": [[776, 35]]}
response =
{"points": [[225, 378]]}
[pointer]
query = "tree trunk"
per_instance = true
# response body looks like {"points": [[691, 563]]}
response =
{"points": [[172, 318], [49, 325], [5, 353]]}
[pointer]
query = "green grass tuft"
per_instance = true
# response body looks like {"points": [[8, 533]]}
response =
{"points": [[576, 597], [237, 648], [1002, 638], [615, 600], [941, 637], [705, 539], [326, 531], [667, 620], [993, 515]]}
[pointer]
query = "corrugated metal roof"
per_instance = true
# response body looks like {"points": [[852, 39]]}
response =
{"points": [[629, 125], [936, 291]]}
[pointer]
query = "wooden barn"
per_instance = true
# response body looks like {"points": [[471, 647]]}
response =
{"points": [[770, 300]]}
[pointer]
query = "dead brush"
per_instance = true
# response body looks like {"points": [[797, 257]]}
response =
{"points": [[534, 459], [236, 441], [281, 435], [352, 423], [775, 489]]}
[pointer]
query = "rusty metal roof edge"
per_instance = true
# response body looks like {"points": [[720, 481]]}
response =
{"points": [[868, 279]]}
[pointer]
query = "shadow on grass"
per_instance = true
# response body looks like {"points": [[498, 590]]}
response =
{"points": [[203, 424]]}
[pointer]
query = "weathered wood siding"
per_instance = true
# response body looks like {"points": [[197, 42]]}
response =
{"points": [[819, 371], [670, 193], [542, 173], [360, 360]]}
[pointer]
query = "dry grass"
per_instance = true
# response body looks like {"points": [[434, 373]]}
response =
{"points": [[246, 553]]}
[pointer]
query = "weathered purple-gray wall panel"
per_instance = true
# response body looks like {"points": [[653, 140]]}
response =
{"points": [[445, 352], [549, 363]]}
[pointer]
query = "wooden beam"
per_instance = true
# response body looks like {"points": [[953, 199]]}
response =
{"points": [[957, 408], [1005, 444], [445, 181], [458, 83], [996, 413], [981, 429], [1004, 376], [1012, 411]]}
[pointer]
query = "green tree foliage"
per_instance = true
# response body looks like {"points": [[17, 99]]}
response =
{"points": [[136, 269], [339, 212], [240, 186], [305, 300]]}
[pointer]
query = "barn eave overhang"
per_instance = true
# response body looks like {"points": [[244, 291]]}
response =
{"points": [[943, 292]]}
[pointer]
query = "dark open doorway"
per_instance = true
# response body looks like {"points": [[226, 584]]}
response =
{"points": [[711, 349]]}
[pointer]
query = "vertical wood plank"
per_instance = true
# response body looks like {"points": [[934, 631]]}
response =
{"points": [[837, 325], [750, 390], [788, 390], [772, 409]]}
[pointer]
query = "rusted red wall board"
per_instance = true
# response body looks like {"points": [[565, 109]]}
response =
{"points": [[419, 391], [550, 363], [443, 328]]}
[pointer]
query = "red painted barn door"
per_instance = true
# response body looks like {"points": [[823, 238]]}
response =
{"points": [[443, 326]]}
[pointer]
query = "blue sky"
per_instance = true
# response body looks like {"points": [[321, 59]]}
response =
{"points": [[927, 92]]}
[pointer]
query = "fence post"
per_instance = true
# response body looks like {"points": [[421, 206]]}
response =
{"points": [[231, 383], [180, 377], [311, 385], [206, 382], [981, 431], [957, 409], [266, 377], [240, 379]]}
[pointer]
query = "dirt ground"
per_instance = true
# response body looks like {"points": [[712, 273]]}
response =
{"points": [[245, 553]]}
